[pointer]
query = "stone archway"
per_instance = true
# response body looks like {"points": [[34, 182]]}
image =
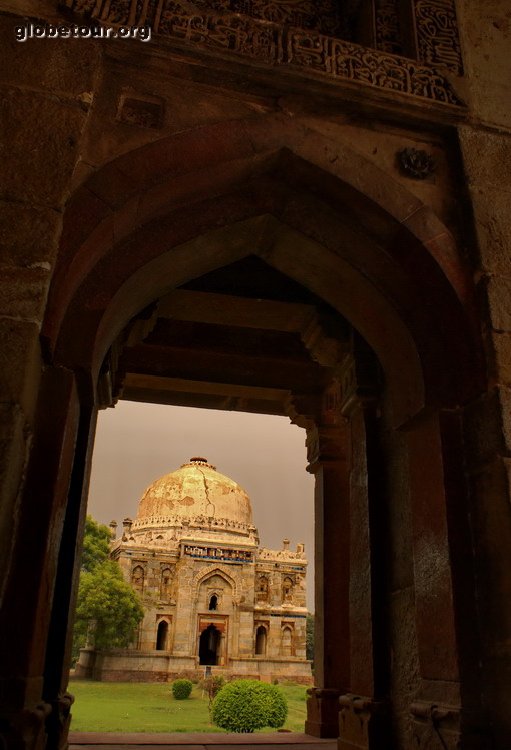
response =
{"points": [[162, 635], [386, 395], [209, 646]]}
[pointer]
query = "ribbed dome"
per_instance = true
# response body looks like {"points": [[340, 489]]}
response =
{"points": [[195, 490]]}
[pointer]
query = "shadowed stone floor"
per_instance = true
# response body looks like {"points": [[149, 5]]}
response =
{"points": [[197, 741]]}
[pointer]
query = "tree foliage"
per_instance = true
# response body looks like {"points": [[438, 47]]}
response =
{"points": [[96, 544], [245, 705], [108, 610]]}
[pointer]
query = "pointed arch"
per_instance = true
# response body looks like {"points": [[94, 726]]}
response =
{"points": [[304, 189], [203, 575]]}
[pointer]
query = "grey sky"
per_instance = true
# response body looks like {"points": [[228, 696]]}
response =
{"points": [[138, 443]]}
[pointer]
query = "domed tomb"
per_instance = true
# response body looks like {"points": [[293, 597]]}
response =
{"points": [[196, 494], [212, 596]]}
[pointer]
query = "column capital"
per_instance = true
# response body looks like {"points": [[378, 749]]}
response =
{"points": [[326, 445]]}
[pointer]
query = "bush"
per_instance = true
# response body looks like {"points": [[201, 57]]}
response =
{"points": [[181, 689], [245, 705]]}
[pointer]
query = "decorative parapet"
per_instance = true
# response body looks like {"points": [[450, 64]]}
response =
{"points": [[300, 48], [281, 555], [199, 522]]}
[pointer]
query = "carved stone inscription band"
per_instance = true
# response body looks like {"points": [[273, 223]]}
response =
{"points": [[276, 44]]}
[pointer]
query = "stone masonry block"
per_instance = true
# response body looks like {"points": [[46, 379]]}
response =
{"points": [[41, 150], [493, 227], [491, 530], [499, 302], [487, 427], [63, 66], [486, 157], [29, 235], [23, 292], [501, 345], [13, 448], [20, 363]]}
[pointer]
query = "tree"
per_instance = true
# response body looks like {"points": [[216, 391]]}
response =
{"points": [[107, 607], [309, 638], [96, 544]]}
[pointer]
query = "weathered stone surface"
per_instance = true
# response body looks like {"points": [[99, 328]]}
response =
{"points": [[491, 519], [67, 68], [20, 363], [491, 212], [484, 31], [40, 153], [487, 428], [486, 156], [13, 448], [23, 292], [501, 346], [499, 300], [29, 235], [405, 675]]}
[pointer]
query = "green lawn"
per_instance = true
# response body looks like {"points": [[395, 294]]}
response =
{"points": [[150, 707]]}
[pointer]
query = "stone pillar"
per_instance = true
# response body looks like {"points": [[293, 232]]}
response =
{"points": [[363, 720], [329, 460], [445, 709], [329, 454], [30, 592], [58, 651]]}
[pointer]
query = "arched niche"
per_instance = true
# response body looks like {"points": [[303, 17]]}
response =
{"points": [[261, 640], [162, 635]]}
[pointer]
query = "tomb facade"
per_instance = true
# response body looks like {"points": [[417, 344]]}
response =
{"points": [[214, 599]]}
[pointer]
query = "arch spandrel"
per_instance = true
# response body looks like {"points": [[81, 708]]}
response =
{"points": [[152, 179], [234, 581]]}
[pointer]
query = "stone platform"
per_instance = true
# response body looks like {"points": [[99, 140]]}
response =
{"points": [[197, 741]]}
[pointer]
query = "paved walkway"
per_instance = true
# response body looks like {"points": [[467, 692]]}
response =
{"points": [[197, 741]]}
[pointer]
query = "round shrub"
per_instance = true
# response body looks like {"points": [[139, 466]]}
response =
{"points": [[245, 705], [181, 689]]}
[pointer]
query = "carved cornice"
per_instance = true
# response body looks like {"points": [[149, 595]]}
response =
{"points": [[272, 43]]}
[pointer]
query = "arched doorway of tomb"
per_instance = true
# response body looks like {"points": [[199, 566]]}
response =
{"points": [[209, 645], [162, 635], [261, 639], [382, 362]]}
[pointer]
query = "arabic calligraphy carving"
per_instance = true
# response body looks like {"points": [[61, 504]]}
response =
{"points": [[308, 49], [437, 34], [387, 27]]}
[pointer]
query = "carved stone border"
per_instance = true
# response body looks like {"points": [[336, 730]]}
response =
{"points": [[274, 44]]}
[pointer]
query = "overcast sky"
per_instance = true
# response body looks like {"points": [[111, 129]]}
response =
{"points": [[138, 443]]}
